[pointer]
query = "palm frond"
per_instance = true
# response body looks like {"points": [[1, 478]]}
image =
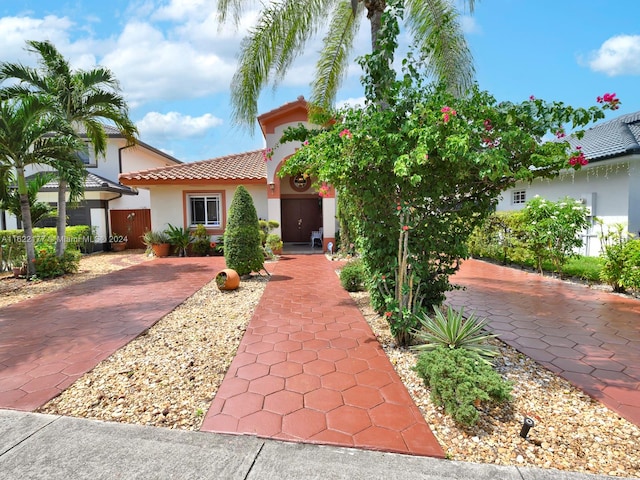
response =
{"points": [[334, 56], [438, 34], [278, 38]]}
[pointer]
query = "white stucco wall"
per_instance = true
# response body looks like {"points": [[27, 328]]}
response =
{"points": [[168, 206], [606, 187]]}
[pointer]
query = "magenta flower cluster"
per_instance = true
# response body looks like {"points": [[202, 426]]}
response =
{"points": [[578, 158], [610, 98], [345, 133], [447, 113]]}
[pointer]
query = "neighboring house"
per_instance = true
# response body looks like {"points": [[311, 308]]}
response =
{"points": [[109, 206], [609, 185], [201, 192]]}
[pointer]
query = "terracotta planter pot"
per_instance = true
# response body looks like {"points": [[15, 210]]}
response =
{"points": [[118, 246], [227, 279], [161, 249], [19, 271]]}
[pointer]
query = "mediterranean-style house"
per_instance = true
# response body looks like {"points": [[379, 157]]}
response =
{"points": [[140, 188], [108, 206], [195, 193], [609, 185]]}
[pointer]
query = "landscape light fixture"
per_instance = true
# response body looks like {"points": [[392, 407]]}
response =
{"points": [[527, 425]]}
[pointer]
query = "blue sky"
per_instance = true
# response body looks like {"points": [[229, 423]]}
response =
{"points": [[175, 65]]}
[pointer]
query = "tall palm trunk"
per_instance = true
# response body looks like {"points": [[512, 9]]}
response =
{"points": [[61, 224], [375, 9], [26, 222]]}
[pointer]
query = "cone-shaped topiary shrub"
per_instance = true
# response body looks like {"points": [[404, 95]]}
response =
{"points": [[242, 246]]}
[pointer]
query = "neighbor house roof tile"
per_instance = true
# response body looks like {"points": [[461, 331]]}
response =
{"points": [[248, 167], [614, 138]]}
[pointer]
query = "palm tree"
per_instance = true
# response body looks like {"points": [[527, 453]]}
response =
{"points": [[285, 26], [84, 99], [31, 135]]}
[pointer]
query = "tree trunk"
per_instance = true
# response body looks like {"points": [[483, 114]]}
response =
{"points": [[62, 218], [375, 8], [26, 222]]}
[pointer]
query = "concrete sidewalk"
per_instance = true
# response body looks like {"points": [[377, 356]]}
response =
{"points": [[36, 446]]}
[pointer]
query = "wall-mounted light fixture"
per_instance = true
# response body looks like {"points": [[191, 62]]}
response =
{"points": [[272, 186]]}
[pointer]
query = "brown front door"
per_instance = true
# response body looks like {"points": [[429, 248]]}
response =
{"points": [[132, 224], [299, 218]]}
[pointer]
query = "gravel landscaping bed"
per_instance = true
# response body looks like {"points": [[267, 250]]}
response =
{"points": [[169, 376], [572, 432]]}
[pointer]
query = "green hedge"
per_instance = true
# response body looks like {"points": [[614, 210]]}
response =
{"points": [[12, 242]]}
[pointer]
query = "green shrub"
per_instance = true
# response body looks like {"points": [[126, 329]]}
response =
{"points": [[630, 278], [352, 276], [180, 238], [454, 331], [242, 246], [201, 241], [459, 379], [12, 251], [48, 265], [500, 238], [621, 256]]}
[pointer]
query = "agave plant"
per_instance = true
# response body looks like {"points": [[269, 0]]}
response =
{"points": [[454, 331]]}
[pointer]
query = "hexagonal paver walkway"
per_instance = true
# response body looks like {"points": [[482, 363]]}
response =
{"points": [[50, 341], [309, 369], [589, 337]]}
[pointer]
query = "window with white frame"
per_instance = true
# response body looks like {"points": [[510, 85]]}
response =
{"points": [[87, 157], [519, 197], [205, 209]]}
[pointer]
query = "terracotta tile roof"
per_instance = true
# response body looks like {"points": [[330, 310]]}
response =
{"points": [[247, 167]]}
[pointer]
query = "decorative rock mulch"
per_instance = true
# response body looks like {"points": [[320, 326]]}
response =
{"points": [[169, 376], [572, 431]]}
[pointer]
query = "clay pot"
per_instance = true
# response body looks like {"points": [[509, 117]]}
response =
{"points": [[161, 249], [118, 246], [227, 279], [19, 271]]}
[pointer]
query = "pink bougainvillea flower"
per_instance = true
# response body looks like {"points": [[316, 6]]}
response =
{"points": [[578, 158], [405, 227], [487, 125], [398, 208], [448, 112], [611, 99], [345, 133], [532, 98], [560, 134]]}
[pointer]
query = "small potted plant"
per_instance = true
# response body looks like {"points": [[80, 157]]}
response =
{"points": [[180, 238], [201, 243], [20, 269], [157, 242], [274, 243], [118, 242]]}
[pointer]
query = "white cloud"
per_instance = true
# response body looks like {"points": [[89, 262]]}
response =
{"points": [[351, 102], [14, 31], [469, 25], [619, 55], [152, 67], [175, 126]]}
